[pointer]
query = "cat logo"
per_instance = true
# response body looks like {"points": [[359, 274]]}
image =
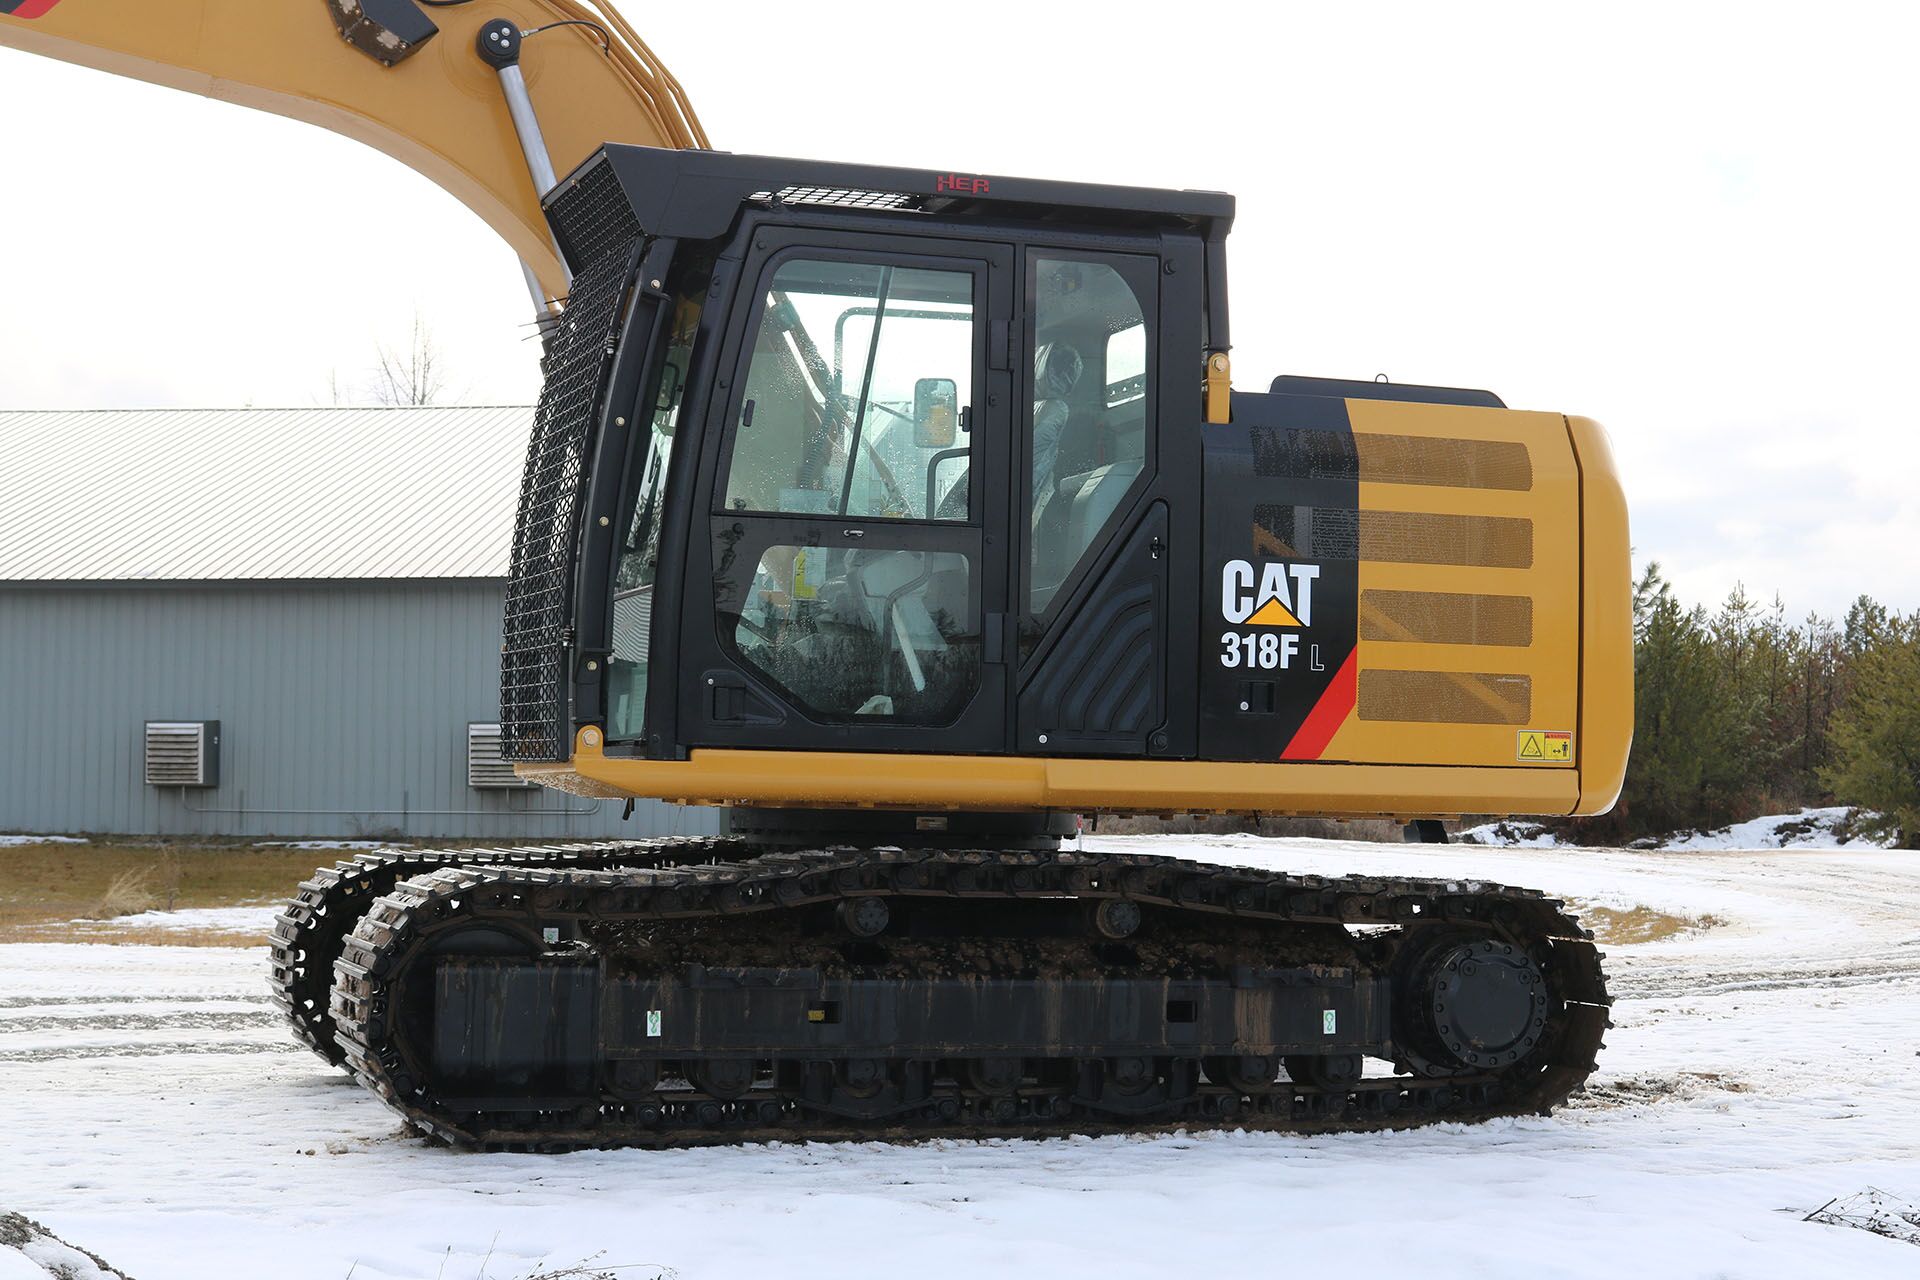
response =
{"points": [[1273, 595]]}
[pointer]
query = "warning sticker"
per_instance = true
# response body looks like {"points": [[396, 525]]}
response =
{"points": [[1543, 746]]}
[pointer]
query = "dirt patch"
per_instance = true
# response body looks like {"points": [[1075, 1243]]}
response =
{"points": [[61, 892], [1635, 1091], [1618, 926]]}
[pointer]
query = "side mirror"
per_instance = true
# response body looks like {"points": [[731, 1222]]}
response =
{"points": [[936, 412]]}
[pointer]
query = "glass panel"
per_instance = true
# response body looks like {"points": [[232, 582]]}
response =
{"points": [[1091, 382], [866, 362], [640, 552], [864, 635]]}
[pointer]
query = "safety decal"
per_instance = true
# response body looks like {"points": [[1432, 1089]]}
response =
{"points": [[26, 8], [1543, 746]]}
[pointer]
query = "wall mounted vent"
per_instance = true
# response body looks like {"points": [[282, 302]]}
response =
{"points": [[183, 753], [487, 769]]}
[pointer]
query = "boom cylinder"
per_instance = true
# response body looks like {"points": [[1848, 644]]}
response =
{"points": [[499, 47]]}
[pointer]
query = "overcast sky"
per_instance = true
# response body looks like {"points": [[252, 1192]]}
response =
{"points": [[1695, 223]]}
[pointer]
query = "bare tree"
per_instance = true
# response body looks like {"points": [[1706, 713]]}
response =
{"points": [[410, 377]]}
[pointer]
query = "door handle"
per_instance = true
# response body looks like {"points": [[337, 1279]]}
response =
{"points": [[853, 533]]}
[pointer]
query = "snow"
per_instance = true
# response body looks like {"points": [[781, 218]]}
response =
{"points": [[16, 842], [1807, 829], [1514, 835], [252, 920], [27, 1252], [1760, 1069]]}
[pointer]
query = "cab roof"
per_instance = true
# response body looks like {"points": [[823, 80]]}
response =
{"points": [[695, 195]]}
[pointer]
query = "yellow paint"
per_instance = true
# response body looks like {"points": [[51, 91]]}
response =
{"points": [[440, 111], [826, 779], [1219, 388], [1273, 614], [1551, 662], [1606, 645]]}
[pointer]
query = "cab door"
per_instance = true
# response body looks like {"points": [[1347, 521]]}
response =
{"points": [[859, 590], [1096, 539]]}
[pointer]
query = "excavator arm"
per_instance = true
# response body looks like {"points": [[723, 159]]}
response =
{"points": [[403, 76]]}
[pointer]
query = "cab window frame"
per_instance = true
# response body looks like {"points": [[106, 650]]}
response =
{"points": [[738, 364]]}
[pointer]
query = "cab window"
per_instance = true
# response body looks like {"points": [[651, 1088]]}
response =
{"points": [[1091, 407], [858, 397]]}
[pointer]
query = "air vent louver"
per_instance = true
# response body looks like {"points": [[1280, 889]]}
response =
{"points": [[183, 753], [487, 768]]}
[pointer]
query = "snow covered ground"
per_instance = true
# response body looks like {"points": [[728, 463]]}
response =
{"points": [[1807, 829], [1761, 1067], [1825, 828], [244, 922]]}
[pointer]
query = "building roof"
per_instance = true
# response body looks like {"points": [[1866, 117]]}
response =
{"points": [[249, 494]]}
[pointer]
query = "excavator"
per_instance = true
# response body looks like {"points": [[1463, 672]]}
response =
{"points": [[908, 514]]}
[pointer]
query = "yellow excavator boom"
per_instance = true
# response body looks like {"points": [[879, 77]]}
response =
{"points": [[401, 78]]}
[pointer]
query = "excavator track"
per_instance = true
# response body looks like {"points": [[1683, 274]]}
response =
{"points": [[845, 994], [308, 933]]}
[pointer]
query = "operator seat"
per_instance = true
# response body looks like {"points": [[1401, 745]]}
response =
{"points": [[1057, 369]]}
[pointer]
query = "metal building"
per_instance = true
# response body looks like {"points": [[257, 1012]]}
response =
{"points": [[266, 623]]}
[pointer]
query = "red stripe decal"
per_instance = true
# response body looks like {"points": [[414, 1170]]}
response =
{"points": [[1327, 715], [32, 8]]}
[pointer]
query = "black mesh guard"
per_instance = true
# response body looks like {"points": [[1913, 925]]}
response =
{"points": [[536, 630], [591, 216]]}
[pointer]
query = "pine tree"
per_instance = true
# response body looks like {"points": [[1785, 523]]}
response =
{"points": [[1691, 758], [1876, 730], [1816, 691]]}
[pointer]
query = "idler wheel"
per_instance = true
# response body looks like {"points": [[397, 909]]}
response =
{"points": [[1486, 1003]]}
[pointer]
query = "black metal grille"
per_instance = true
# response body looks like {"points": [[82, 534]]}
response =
{"points": [[539, 612], [593, 216], [1296, 454]]}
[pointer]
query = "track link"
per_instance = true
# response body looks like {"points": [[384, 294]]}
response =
{"points": [[393, 946], [308, 933]]}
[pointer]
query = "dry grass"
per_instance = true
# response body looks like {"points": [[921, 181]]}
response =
{"points": [[66, 892], [127, 895], [1617, 926]]}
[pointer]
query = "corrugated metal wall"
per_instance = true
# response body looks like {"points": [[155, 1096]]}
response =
{"points": [[343, 709]]}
